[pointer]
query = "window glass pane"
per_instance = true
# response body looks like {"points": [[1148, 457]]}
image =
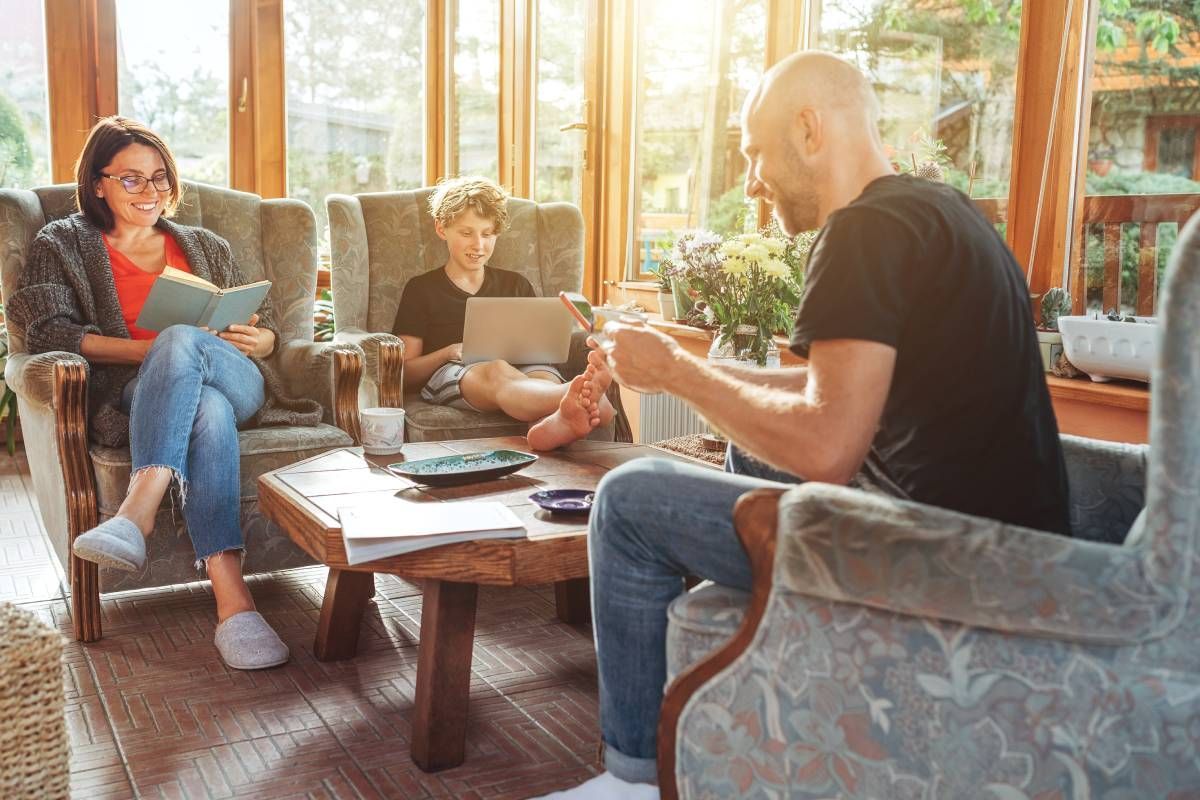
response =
{"points": [[1141, 147], [944, 72], [558, 155], [698, 59], [355, 98], [173, 75], [475, 124], [24, 132]]}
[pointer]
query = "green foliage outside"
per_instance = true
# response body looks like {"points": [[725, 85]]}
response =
{"points": [[16, 157]]}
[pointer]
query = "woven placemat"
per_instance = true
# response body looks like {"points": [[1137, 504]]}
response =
{"points": [[692, 446]]}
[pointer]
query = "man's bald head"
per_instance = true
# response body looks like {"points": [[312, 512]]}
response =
{"points": [[810, 135], [815, 80]]}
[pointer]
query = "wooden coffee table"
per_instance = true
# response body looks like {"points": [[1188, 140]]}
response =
{"points": [[554, 550]]}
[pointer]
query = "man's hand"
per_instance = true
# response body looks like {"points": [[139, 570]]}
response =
{"points": [[252, 341], [641, 358]]}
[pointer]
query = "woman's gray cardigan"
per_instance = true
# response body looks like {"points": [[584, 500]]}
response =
{"points": [[67, 290]]}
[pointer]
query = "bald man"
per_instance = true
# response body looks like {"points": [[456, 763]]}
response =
{"points": [[923, 381]]}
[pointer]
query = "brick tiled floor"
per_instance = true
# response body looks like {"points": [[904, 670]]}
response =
{"points": [[152, 712]]}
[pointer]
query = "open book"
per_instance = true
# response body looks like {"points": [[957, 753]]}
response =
{"points": [[180, 298], [393, 526]]}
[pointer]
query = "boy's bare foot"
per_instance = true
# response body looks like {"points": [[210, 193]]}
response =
{"points": [[600, 376], [577, 414]]}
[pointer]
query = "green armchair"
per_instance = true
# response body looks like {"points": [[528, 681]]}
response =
{"points": [[79, 483], [381, 240]]}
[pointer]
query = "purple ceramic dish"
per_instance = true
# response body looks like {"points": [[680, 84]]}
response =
{"points": [[570, 501]]}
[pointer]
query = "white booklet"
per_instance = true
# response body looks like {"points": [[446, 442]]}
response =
{"points": [[394, 526]]}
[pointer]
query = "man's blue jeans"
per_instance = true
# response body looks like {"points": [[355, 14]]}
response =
{"points": [[654, 522], [190, 395]]}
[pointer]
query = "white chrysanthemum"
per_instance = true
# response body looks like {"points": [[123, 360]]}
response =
{"points": [[755, 252], [733, 248], [775, 268], [735, 265]]}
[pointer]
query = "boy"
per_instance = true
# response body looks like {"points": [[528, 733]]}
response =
{"points": [[469, 213]]}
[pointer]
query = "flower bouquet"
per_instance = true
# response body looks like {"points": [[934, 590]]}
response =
{"points": [[749, 284]]}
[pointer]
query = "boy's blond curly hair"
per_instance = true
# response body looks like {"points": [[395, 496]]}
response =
{"points": [[484, 196]]}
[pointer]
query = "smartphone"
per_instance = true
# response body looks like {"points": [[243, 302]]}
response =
{"points": [[592, 319]]}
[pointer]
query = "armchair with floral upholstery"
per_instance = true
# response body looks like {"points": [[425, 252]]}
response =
{"points": [[381, 240], [79, 483], [892, 649]]}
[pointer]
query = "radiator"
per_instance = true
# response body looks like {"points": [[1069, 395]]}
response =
{"points": [[664, 416]]}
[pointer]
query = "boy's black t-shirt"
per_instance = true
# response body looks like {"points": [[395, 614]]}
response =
{"points": [[434, 309], [968, 423]]}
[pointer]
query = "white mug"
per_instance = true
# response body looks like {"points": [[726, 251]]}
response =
{"points": [[382, 430]]}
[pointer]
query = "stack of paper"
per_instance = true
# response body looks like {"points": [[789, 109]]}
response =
{"points": [[395, 526]]}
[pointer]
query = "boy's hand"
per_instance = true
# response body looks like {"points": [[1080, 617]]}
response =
{"points": [[453, 352]]}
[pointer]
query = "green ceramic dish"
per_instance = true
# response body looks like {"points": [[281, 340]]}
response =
{"points": [[471, 468]]}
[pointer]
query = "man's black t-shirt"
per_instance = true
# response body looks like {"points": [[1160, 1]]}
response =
{"points": [[433, 308], [968, 423]]}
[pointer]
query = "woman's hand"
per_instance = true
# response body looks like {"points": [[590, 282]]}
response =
{"points": [[252, 341]]}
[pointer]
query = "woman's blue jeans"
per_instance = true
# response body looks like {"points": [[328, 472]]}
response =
{"points": [[190, 395], [654, 522]]}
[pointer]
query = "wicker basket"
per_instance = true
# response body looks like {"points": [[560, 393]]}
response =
{"points": [[33, 737]]}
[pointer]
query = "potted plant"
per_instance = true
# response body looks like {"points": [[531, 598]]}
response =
{"points": [[1055, 303], [1100, 160], [749, 284], [666, 295]]}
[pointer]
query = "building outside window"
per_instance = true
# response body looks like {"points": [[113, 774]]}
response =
{"points": [[173, 75], [697, 61], [355, 98]]}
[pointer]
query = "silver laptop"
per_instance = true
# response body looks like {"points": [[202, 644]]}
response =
{"points": [[519, 330]]}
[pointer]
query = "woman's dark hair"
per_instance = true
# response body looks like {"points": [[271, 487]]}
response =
{"points": [[108, 137]]}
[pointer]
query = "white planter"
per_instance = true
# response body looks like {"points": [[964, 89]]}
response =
{"points": [[666, 305], [1105, 349], [1050, 343]]}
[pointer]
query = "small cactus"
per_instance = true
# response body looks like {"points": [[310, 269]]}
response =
{"points": [[1055, 303]]}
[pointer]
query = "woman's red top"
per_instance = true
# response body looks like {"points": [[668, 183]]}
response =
{"points": [[133, 283]]}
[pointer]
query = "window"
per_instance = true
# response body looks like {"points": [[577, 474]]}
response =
{"points": [[24, 129], [1143, 163], [697, 61], [558, 154], [355, 98], [173, 75], [473, 133], [945, 73]]}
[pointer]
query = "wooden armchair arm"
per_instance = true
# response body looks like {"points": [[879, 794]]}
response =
{"points": [[755, 517], [384, 362], [328, 372]]}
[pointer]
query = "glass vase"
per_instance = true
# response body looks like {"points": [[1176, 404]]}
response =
{"points": [[722, 350], [746, 342]]}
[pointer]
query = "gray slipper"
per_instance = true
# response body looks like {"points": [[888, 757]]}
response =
{"points": [[247, 641], [116, 542]]}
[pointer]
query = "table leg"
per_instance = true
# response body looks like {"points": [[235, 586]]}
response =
{"points": [[443, 674], [573, 601], [346, 596]]}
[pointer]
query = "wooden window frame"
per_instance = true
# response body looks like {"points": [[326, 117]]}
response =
{"points": [[1046, 158]]}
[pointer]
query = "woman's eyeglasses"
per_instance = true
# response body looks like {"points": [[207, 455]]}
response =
{"points": [[136, 184]]}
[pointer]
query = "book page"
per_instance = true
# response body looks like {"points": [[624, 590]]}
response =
{"points": [[187, 277], [396, 518]]}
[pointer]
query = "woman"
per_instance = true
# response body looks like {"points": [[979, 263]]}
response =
{"points": [[178, 397]]}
